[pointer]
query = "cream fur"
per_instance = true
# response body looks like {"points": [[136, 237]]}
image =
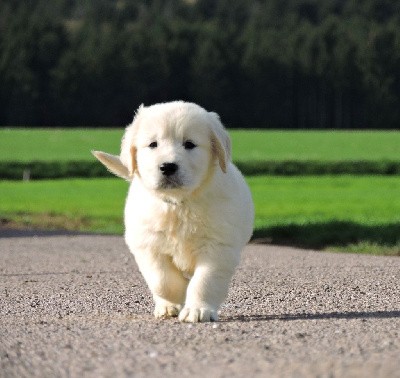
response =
{"points": [[187, 233]]}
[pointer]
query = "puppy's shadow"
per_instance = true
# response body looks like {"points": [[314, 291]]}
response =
{"points": [[317, 316]]}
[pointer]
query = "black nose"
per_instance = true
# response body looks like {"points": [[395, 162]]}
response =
{"points": [[168, 169]]}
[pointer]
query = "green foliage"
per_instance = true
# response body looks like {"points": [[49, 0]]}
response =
{"points": [[311, 168], [38, 170], [259, 63], [32, 41]]}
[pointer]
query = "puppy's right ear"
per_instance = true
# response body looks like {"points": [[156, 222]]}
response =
{"points": [[113, 164]]}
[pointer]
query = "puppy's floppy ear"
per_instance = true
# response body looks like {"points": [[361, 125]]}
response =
{"points": [[220, 142], [133, 167], [128, 144], [124, 165], [113, 164]]}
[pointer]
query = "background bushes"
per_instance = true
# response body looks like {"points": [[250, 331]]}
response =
{"points": [[259, 63], [52, 170]]}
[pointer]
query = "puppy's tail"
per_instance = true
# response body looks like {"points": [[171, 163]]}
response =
{"points": [[113, 164]]}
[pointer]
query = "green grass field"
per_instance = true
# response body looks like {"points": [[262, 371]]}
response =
{"points": [[356, 213], [317, 212], [76, 144]]}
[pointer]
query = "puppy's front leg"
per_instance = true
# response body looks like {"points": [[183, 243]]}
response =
{"points": [[208, 287], [165, 281]]}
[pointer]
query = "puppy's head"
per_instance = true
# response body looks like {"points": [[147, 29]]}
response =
{"points": [[172, 147]]}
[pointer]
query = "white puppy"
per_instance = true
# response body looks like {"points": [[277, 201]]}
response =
{"points": [[189, 212]]}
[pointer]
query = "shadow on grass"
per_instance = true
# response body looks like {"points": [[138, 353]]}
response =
{"points": [[330, 234]]}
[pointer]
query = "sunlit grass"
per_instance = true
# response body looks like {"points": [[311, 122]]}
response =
{"points": [[248, 145], [317, 212]]}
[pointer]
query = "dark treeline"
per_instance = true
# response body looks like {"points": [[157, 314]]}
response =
{"points": [[258, 63]]}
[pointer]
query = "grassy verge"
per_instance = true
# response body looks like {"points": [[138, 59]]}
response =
{"points": [[360, 214]]}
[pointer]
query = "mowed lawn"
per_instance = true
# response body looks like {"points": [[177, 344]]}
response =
{"points": [[333, 206], [350, 212], [76, 144], [279, 200]]}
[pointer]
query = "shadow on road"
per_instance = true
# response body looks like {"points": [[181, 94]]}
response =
{"points": [[16, 233], [329, 315]]}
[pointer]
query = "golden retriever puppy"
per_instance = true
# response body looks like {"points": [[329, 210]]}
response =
{"points": [[188, 213]]}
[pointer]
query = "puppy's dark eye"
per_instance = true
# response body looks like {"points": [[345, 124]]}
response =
{"points": [[153, 145], [189, 145]]}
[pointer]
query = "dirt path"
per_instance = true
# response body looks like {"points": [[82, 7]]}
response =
{"points": [[76, 306]]}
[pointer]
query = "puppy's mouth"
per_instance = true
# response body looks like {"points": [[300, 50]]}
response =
{"points": [[170, 183]]}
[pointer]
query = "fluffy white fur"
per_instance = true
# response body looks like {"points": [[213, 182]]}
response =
{"points": [[186, 230]]}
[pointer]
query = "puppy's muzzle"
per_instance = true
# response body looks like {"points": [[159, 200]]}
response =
{"points": [[168, 169]]}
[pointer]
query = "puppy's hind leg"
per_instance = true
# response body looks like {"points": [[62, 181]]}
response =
{"points": [[166, 283]]}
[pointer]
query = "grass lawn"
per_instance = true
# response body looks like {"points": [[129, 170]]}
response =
{"points": [[77, 204], [358, 213], [315, 145], [76, 144], [56, 144]]}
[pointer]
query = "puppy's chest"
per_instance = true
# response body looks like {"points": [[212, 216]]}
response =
{"points": [[179, 232]]}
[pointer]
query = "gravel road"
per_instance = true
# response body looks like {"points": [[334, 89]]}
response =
{"points": [[76, 306]]}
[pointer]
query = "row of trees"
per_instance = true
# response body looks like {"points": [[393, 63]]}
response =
{"points": [[259, 63]]}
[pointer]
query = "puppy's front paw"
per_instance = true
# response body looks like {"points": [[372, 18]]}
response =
{"points": [[196, 315], [164, 311]]}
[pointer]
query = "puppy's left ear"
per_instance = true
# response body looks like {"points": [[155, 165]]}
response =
{"points": [[220, 142]]}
